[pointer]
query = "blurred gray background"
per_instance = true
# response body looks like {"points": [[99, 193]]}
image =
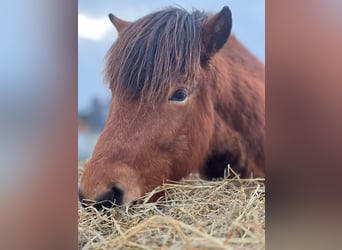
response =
{"points": [[96, 34]]}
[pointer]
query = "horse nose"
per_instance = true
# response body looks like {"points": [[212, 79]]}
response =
{"points": [[112, 197]]}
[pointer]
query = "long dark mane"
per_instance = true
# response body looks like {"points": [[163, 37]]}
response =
{"points": [[154, 52]]}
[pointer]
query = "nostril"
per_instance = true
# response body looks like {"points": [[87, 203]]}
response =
{"points": [[114, 196]]}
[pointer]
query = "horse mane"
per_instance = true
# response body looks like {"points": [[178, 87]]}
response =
{"points": [[155, 52]]}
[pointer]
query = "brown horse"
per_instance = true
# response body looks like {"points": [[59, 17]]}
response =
{"points": [[186, 97]]}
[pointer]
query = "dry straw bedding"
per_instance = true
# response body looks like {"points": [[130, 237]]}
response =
{"points": [[194, 214]]}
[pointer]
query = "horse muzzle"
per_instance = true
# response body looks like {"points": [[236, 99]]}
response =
{"points": [[115, 196]]}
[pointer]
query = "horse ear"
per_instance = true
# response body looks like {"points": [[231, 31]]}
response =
{"points": [[118, 23], [216, 30]]}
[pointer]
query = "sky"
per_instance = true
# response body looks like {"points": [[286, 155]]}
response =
{"points": [[96, 34]]}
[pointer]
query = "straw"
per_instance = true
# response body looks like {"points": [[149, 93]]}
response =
{"points": [[228, 213]]}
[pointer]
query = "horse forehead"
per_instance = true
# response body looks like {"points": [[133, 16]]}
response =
{"points": [[136, 112]]}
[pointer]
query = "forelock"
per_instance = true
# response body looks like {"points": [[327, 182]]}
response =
{"points": [[154, 52]]}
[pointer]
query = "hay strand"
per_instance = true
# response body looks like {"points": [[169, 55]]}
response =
{"points": [[194, 214]]}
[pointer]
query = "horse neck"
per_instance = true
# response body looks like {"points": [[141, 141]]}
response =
{"points": [[239, 96]]}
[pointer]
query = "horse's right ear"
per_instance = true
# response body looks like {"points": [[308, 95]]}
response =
{"points": [[118, 23], [216, 30]]}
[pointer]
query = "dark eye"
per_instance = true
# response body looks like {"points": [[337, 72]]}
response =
{"points": [[179, 95]]}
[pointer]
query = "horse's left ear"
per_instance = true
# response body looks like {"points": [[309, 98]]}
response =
{"points": [[216, 30], [118, 23]]}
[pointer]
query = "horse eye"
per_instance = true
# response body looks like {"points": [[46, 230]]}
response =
{"points": [[179, 95]]}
